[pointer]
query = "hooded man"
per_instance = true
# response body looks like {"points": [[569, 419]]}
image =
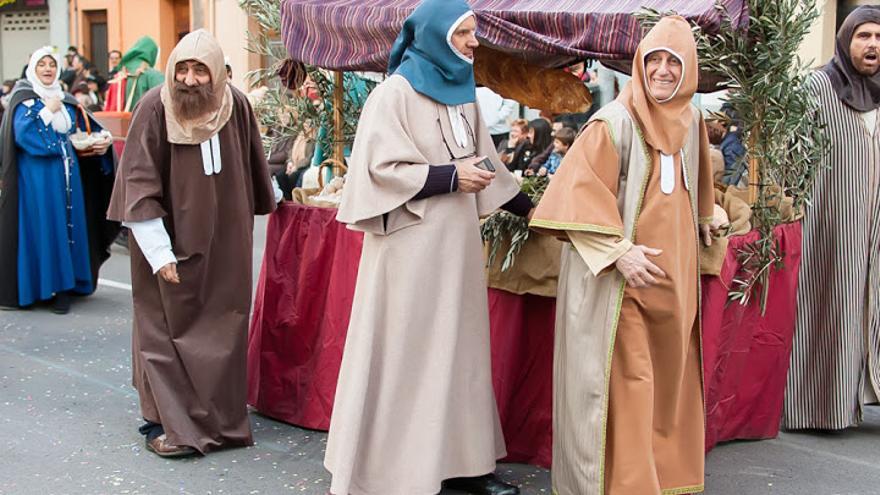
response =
{"points": [[135, 76], [834, 363], [191, 179], [633, 195], [414, 402]]}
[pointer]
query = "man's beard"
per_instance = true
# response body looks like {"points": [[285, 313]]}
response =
{"points": [[192, 102]]}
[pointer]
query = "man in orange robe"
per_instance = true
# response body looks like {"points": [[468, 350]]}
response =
{"points": [[633, 195]]}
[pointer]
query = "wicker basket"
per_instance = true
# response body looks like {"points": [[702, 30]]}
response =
{"points": [[83, 134], [308, 196]]}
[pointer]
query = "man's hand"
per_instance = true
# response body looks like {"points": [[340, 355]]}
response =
{"points": [[470, 178], [637, 269], [169, 273], [706, 234], [542, 171], [528, 172], [53, 104]]}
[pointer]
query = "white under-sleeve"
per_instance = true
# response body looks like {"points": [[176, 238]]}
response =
{"points": [[46, 115], [154, 242], [59, 120], [279, 194]]}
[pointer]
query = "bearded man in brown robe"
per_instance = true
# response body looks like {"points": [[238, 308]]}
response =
{"points": [[191, 178]]}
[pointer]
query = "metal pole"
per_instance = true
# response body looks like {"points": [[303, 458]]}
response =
{"points": [[338, 122]]}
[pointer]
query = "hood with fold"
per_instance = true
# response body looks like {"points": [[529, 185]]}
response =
{"points": [[53, 90], [665, 124], [143, 50], [199, 46], [424, 55], [860, 92]]}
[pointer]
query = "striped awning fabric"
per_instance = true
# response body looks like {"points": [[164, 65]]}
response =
{"points": [[358, 34]]}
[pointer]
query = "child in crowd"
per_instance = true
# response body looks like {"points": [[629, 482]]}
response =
{"points": [[562, 141]]}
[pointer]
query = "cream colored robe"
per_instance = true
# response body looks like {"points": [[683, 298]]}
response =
{"points": [[414, 401]]}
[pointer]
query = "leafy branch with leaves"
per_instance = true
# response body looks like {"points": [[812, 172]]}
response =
{"points": [[501, 225], [284, 113]]}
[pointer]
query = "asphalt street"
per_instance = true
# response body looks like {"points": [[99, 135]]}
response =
{"points": [[68, 420]]}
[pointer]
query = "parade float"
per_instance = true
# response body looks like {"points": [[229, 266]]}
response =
{"points": [[310, 265]]}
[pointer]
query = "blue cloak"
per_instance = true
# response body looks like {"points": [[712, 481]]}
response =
{"points": [[46, 247]]}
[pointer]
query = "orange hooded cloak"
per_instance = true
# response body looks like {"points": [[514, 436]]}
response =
{"points": [[628, 399]]}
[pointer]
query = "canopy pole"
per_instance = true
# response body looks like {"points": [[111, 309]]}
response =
{"points": [[754, 173], [338, 134]]}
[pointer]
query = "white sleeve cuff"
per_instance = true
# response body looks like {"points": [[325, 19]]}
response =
{"points": [[154, 242], [279, 194], [46, 116]]}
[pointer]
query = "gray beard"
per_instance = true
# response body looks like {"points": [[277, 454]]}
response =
{"points": [[191, 103]]}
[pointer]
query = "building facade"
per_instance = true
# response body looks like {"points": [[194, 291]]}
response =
{"points": [[24, 26], [98, 26]]}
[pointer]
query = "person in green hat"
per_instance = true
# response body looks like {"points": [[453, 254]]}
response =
{"points": [[139, 76]]}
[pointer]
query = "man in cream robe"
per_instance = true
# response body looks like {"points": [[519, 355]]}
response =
{"points": [[628, 402], [414, 402]]}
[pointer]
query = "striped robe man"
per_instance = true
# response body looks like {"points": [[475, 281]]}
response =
{"points": [[834, 369]]}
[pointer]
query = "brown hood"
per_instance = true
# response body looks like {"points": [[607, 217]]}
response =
{"points": [[200, 46], [665, 125]]}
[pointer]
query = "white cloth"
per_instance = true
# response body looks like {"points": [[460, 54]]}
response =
{"points": [[211, 161], [458, 130], [452, 31], [60, 120], [495, 110], [154, 242], [276, 189], [667, 173], [870, 118], [54, 90]]}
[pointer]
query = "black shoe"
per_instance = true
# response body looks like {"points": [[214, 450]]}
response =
{"points": [[61, 303], [481, 485], [122, 238]]}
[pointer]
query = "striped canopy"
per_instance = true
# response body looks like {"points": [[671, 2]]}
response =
{"points": [[358, 34]]}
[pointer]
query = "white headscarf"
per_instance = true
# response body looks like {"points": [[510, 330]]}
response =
{"points": [[54, 90], [60, 120]]}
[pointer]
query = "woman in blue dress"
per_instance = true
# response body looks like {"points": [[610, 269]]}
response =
{"points": [[50, 253]]}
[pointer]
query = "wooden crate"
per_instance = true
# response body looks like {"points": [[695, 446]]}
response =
{"points": [[115, 122]]}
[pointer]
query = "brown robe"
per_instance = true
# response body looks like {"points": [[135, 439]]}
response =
{"points": [[189, 339], [628, 400]]}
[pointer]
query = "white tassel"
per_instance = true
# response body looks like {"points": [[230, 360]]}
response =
{"points": [[207, 163], [684, 172], [457, 124], [211, 161], [667, 173], [215, 149]]}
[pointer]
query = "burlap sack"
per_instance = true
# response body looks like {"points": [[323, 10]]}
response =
{"points": [[786, 206], [739, 215], [535, 270], [305, 196]]}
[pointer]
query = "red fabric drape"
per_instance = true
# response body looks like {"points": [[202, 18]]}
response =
{"points": [[303, 300], [115, 96], [746, 355]]}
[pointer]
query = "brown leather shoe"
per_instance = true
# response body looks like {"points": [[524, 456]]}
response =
{"points": [[162, 448]]}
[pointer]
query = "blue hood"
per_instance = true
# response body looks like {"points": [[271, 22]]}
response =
{"points": [[423, 56]]}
